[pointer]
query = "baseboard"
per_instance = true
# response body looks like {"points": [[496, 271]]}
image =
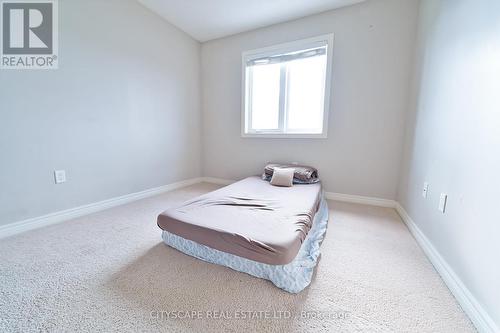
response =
{"points": [[478, 315], [361, 199], [72, 213]]}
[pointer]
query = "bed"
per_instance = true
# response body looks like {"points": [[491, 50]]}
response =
{"points": [[253, 227]]}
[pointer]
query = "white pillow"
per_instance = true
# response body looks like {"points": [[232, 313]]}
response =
{"points": [[282, 177]]}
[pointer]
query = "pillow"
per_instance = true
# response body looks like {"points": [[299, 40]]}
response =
{"points": [[303, 174], [282, 177]]}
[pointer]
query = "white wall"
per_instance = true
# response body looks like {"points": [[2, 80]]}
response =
{"points": [[373, 53], [120, 115], [453, 141]]}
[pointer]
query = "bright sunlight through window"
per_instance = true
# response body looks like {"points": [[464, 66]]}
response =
{"points": [[286, 89]]}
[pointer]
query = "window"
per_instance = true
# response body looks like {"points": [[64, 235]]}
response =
{"points": [[286, 89]]}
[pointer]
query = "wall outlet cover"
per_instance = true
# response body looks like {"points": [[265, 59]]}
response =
{"points": [[60, 176]]}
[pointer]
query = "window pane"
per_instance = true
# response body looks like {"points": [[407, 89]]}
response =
{"points": [[306, 90], [265, 96]]}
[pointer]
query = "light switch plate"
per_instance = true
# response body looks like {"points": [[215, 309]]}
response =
{"points": [[442, 202], [60, 176]]}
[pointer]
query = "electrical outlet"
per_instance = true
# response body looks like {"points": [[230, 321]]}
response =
{"points": [[60, 176], [425, 190], [442, 202]]}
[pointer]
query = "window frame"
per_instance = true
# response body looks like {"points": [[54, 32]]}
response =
{"points": [[285, 48]]}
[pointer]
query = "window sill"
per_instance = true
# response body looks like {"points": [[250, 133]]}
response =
{"points": [[284, 135]]}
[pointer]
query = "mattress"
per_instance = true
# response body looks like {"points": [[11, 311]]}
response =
{"points": [[251, 219], [293, 277]]}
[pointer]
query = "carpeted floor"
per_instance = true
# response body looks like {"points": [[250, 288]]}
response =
{"points": [[110, 272]]}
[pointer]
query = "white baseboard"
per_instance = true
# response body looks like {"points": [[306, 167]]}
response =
{"points": [[478, 315], [361, 199], [72, 213]]}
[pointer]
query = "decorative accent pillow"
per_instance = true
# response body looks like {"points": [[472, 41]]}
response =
{"points": [[282, 177]]}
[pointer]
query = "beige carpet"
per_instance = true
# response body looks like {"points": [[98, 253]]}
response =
{"points": [[110, 272]]}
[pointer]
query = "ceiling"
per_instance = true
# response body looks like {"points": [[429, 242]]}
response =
{"points": [[210, 19]]}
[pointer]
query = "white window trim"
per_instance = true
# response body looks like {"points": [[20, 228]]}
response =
{"points": [[287, 47]]}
